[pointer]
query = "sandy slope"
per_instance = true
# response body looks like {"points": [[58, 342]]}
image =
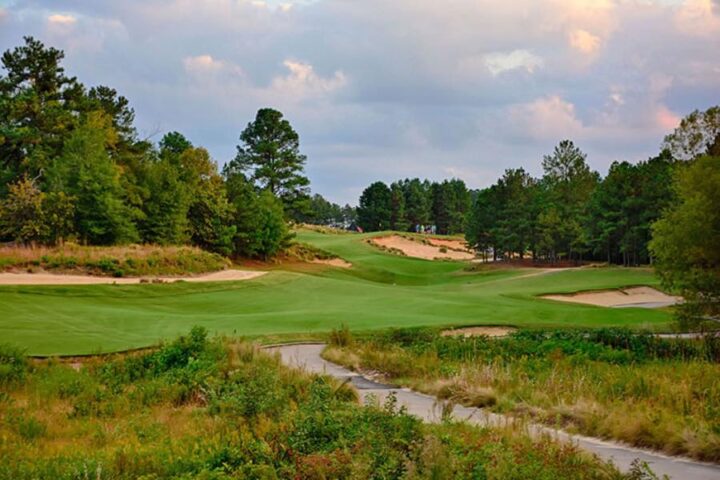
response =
{"points": [[417, 249], [619, 298], [57, 279], [478, 332], [333, 262]]}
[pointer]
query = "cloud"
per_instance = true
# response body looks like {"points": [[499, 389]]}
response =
{"points": [[699, 18], [203, 65], [426, 88], [302, 81], [584, 42], [498, 62], [64, 20], [550, 117]]}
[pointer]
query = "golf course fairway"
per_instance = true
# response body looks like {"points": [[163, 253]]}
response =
{"points": [[380, 290]]}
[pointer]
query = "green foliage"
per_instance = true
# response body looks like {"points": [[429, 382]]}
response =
{"points": [[624, 206], [322, 212], [94, 182], [208, 409], [398, 219], [270, 157], [450, 203], [686, 238], [86, 172], [698, 134], [39, 105], [417, 201], [13, 364], [165, 210], [259, 221], [21, 213], [375, 208]]}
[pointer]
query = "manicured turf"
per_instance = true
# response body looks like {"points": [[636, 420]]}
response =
{"points": [[381, 290]]}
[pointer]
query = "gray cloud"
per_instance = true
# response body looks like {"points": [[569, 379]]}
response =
{"points": [[381, 90]]}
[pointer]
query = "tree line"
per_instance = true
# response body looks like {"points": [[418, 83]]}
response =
{"points": [[570, 212], [407, 204], [73, 167]]}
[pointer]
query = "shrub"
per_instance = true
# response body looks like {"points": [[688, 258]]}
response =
{"points": [[13, 364]]}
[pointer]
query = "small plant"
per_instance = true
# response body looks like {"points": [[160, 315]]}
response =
{"points": [[341, 337], [13, 364]]}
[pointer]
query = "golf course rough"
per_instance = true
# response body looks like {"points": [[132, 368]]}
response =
{"points": [[380, 290]]}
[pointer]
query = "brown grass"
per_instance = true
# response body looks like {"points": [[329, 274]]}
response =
{"points": [[125, 260]]}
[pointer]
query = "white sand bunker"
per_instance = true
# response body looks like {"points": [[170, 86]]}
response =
{"points": [[466, 332], [58, 279], [643, 297], [417, 249], [333, 262]]}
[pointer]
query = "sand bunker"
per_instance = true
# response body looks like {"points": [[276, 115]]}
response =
{"points": [[416, 249], [644, 297], [57, 279], [478, 332], [458, 245], [333, 262]]}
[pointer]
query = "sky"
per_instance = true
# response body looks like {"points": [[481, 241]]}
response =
{"points": [[383, 90]]}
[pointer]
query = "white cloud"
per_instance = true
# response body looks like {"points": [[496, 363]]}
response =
{"points": [[203, 65], [548, 118], [302, 81], [499, 62], [698, 18], [425, 84], [60, 19], [584, 41]]}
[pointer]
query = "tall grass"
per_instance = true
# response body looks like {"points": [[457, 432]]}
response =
{"points": [[118, 261], [650, 392], [218, 409]]}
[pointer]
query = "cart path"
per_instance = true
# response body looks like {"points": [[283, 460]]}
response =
{"points": [[426, 407]]}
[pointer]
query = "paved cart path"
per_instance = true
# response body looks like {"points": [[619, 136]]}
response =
{"points": [[307, 356]]}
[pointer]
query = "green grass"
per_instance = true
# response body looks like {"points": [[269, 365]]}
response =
{"points": [[381, 290]]}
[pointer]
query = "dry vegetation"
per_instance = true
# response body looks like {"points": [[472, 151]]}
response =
{"points": [[214, 409], [655, 393], [117, 261]]}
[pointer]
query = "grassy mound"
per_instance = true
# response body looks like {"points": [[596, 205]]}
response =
{"points": [[118, 261]]}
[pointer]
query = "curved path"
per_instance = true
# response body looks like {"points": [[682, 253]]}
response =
{"points": [[307, 356]]}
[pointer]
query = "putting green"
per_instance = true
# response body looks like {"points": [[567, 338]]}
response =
{"points": [[381, 290]]}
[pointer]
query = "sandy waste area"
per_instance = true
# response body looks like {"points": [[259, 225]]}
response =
{"points": [[59, 279], [478, 332], [417, 249], [619, 298], [333, 262]]}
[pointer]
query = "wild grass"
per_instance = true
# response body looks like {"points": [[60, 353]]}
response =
{"points": [[662, 394], [117, 261], [219, 409]]}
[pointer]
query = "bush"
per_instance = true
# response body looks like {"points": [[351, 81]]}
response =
{"points": [[13, 364]]}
